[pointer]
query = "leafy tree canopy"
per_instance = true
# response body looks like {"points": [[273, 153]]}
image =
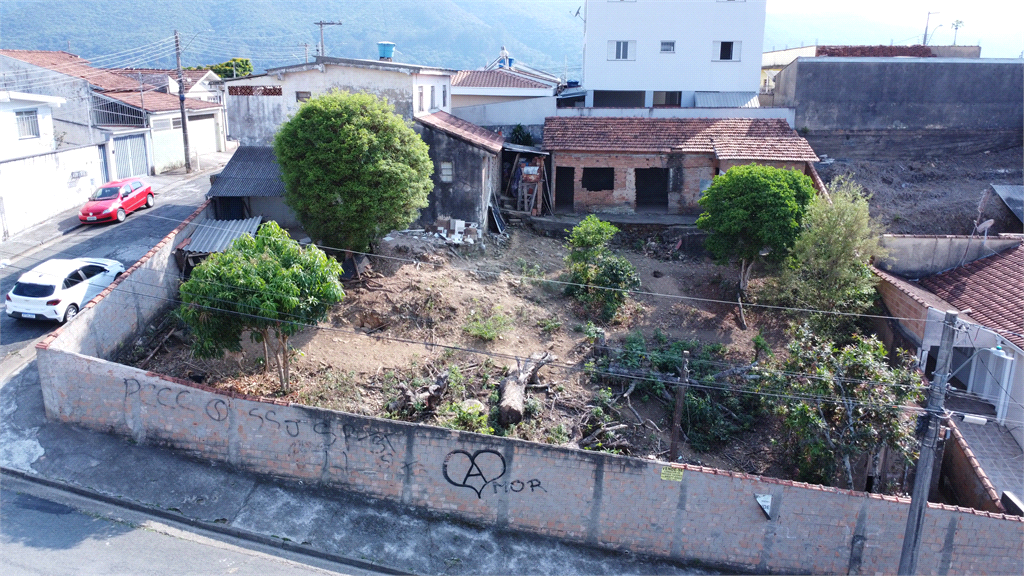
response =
{"points": [[754, 212], [353, 170], [829, 268], [234, 68], [267, 285], [599, 278]]}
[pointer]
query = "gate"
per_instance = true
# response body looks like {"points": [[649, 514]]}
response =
{"points": [[130, 156]]}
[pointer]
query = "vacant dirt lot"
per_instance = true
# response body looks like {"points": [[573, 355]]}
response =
{"points": [[935, 196], [420, 314]]}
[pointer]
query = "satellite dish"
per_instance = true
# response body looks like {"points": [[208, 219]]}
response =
{"points": [[985, 225]]}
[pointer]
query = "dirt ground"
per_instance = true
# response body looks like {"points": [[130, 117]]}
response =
{"points": [[405, 325], [934, 196]]}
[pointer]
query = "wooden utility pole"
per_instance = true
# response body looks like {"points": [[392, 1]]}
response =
{"points": [[181, 102], [677, 414], [321, 24], [925, 463]]}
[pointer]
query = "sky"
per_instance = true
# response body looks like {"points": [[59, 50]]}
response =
{"points": [[997, 26]]}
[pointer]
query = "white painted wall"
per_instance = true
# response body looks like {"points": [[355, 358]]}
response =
{"points": [[14, 146], [439, 83], [525, 112], [71, 121], [38, 187], [694, 26]]}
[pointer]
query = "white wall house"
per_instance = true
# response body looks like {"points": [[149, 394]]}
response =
{"points": [[26, 124], [258, 105], [199, 84], [654, 53]]}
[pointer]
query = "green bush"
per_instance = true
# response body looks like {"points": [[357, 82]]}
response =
{"points": [[598, 279], [488, 328]]}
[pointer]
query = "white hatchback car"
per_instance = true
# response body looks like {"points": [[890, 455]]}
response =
{"points": [[56, 289]]}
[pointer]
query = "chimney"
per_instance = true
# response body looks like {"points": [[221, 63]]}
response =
{"points": [[386, 50]]}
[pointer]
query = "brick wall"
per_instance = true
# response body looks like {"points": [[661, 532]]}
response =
{"points": [[964, 477], [913, 313], [685, 512]]}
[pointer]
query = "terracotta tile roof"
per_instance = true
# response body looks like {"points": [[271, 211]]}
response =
{"points": [[191, 76], [494, 79], [765, 148], [992, 287], [874, 51], [463, 130], [661, 135], [73, 66], [159, 101]]}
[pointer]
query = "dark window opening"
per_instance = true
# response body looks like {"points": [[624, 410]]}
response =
{"points": [[303, 96], [618, 99], [726, 51], [668, 99], [595, 179]]}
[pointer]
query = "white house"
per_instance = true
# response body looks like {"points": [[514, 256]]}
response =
{"points": [[26, 124], [503, 80], [666, 53], [258, 105], [199, 84]]}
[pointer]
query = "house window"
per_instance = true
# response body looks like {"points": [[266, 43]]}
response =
{"points": [[444, 96], [28, 124], [447, 170], [726, 52], [668, 46], [622, 49], [668, 99], [433, 102], [161, 124], [421, 98], [302, 96], [595, 179], [176, 123]]}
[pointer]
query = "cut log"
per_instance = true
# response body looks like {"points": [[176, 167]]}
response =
{"points": [[423, 399], [513, 387]]}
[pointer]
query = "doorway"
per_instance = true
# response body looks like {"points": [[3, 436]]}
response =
{"points": [[652, 190], [565, 180]]}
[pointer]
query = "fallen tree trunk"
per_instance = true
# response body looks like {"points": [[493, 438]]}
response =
{"points": [[424, 398], [513, 387]]}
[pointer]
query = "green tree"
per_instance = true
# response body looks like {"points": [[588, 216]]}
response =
{"points": [[752, 213], [600, 279], [841, 403], [520, 135], [234, 68], [353, 170], [266, 285], [830, 265]]}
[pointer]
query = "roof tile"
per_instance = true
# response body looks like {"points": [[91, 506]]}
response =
{"points": [[463, 130], [75, 66], [494, 79], [159, 101]]}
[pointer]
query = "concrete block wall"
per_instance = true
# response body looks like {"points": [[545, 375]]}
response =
{"points": [[685, 512]]}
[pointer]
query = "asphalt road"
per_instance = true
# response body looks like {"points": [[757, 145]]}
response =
{"points": [[48, 531], [125, 242]]}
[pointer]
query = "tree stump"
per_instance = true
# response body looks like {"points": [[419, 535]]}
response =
{"points": [[513, 387]]}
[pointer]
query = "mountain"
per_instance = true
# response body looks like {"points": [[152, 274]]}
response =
{"points": [[462, 34]]}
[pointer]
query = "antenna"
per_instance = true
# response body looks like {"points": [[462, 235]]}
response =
{"points": [[984, 226]]}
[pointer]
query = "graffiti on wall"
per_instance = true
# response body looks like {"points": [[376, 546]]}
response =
{"points": [[481, 469]]}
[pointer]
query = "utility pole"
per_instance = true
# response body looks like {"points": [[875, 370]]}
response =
{"points": [[925, 463], [321, 24], [677, 413], [924, 41], [306, 46], [181, 102]]}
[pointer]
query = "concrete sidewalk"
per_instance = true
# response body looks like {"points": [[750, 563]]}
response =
{"points": [[325, 522], [66, 221]]}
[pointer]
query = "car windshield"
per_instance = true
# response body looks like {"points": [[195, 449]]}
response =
{"points": [[32, 290], [106, 193]]}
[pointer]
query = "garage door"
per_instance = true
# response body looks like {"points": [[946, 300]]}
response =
{"points": [[130, 156], [202, 134]]}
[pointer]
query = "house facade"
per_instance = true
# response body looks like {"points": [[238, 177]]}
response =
{"points": [[258, 105], [661, 165], [26, 124], [662, 53], [199, 84]]}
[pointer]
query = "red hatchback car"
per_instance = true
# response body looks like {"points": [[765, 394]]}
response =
{"points": [[115, 200]]}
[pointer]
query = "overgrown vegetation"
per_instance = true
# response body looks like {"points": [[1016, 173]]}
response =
{"points": [[489, 326], [234, 68], [267, 285], [353, 169], [599, 279], [520, 135]]}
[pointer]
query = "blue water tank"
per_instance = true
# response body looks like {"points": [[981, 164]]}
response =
{"points": [[573, 83], [386, 49]]}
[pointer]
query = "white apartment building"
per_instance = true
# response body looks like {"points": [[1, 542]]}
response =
{"points": [[672, 53]]}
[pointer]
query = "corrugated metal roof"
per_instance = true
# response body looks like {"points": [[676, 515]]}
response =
{"points": [[726, 100], [216, 235], [1013, 196], [252, 171]]}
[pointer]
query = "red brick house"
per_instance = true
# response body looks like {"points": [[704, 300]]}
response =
{"points": [[660, 165]]}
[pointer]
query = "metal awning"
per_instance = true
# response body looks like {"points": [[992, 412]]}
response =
{"points": [[523, 149], [1013, 196], [216, 235]]}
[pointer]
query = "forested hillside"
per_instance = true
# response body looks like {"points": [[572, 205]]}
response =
{"points": [[464, 34]]}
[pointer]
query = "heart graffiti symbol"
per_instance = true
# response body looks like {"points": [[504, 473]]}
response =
{"points": [[474, 471]]}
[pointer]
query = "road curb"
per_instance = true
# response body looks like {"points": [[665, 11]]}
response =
{"points": [[209, 526]]}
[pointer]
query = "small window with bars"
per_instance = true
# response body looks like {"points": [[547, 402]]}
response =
{"points": [[28, 124], [447, 171], [302, 96], [668, 46]]}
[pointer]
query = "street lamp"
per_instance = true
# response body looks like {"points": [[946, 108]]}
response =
{"points": [[924, 41], [932, 35]]}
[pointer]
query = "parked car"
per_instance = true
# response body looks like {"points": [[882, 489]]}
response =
{"points": [[115, 200], [56, 289]]}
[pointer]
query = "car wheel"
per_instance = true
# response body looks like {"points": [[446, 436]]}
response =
{"points": [[120, 214], [70, 313], [149, 201]]}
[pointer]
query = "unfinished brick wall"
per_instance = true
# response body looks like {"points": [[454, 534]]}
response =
{"points": [[912, 312], [964, 477]]}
